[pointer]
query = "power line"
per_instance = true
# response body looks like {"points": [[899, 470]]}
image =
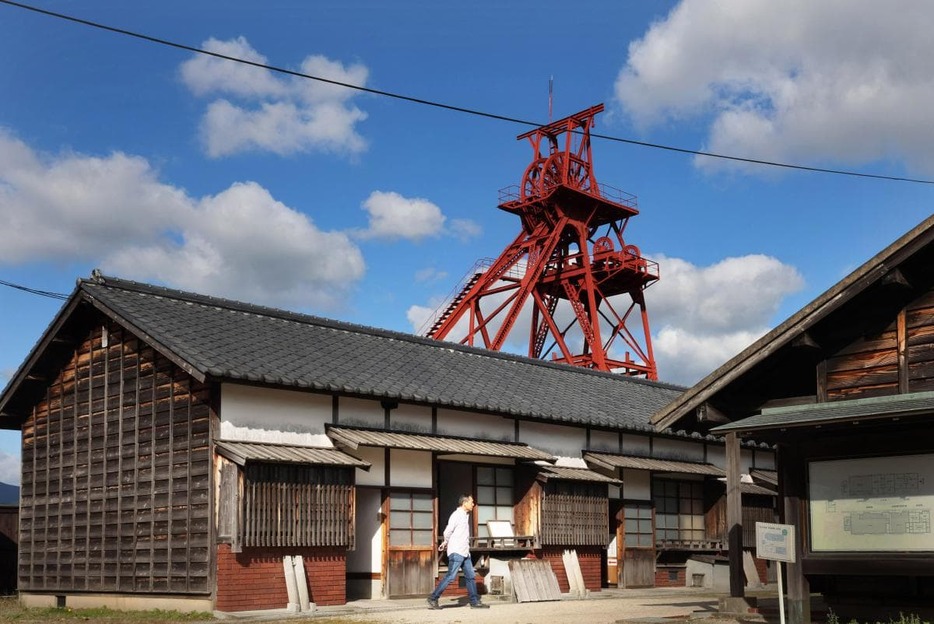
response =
{"points": [[451, 107], [34, 291]]}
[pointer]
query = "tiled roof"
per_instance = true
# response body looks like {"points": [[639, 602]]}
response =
{"points": [[232, 341]]}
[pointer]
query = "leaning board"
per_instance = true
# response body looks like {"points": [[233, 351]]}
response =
{"points": [[533, 580]]}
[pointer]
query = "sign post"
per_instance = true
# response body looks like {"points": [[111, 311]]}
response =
{"points": [[777, 543]]}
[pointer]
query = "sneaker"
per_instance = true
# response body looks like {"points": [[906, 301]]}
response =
{"points": [[433, 603], [479, 605]]}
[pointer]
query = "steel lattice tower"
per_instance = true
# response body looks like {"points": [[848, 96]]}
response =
{"points": [[569, 273]]}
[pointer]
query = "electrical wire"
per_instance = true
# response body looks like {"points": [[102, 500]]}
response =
{"points": [[451, 107], [34, 291]]}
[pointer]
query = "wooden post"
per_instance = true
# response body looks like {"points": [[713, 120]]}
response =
{"points": [[734, 517], [792, 489]]}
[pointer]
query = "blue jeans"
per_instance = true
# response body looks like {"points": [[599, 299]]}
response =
{"points": [[455, 562]]}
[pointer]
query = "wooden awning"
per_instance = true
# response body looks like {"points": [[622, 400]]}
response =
{"points": [[565, 473], [916, 404], [242, 452], [610, 461], [351, 438]]}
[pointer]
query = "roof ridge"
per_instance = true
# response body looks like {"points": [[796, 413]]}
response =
{"points": [[98, 279]]}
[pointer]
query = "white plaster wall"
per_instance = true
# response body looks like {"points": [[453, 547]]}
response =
{"points": [[637, 484], [409, 468], [414, 418], [360, 412], [683, 450], [367, 554], [555, 439], [765, 460], [716, 455], [376, 475], [635, 444], [474, 425], [604, 441], [251, 414]]}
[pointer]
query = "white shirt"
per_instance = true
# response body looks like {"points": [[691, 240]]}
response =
{"points": [[457, 533]]}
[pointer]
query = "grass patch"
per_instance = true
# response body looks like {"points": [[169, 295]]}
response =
{"points": [[12, 611]]}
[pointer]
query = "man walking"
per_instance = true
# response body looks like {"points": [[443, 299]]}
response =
{"points": [[457, 541]]}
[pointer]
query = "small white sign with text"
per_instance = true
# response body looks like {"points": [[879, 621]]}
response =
{"points": [[775, 541]]}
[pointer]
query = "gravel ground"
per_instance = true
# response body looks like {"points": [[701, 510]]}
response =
{"points": [[605, 607]]}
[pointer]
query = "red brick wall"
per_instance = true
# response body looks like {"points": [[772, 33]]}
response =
{"points": [[589, 559], [762, 568], [663, 576], [255, 580]]}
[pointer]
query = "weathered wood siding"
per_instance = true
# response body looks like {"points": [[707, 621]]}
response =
{"points": [[574, 514], [293, 505], [116, 474], [919, 339], [897, 358]]}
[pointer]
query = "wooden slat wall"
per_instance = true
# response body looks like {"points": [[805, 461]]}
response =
{"points": [[898, 359], [755, 509], [574, 514], [116, 475], [919, 324], [296, 505]]}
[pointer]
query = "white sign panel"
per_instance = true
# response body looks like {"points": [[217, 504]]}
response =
{"points": [[872, 504], [775, 541]]}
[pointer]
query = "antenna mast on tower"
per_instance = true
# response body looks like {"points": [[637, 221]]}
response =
{"points": [[569, 276]]}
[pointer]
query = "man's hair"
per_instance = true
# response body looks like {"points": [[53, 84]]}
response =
{"points": [[463, 498]]}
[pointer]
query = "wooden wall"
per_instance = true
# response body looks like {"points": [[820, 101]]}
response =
{"points": [[117, 474], [895, 359]]}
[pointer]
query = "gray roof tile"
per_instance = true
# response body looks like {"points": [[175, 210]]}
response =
{"points": [[234, 341]]}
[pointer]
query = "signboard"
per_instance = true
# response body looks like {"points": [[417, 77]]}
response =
{"points": [[775, 541], [872, 504]]}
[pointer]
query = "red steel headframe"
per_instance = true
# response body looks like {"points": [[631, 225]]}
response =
{"points": [[569, 273]]}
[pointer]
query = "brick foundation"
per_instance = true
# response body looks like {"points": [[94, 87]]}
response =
{"points": [[254, 579], [762, 568], [589, 559], [670, 576]]}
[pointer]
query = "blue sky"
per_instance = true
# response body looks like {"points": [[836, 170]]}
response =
{"points": [[161, 165]]}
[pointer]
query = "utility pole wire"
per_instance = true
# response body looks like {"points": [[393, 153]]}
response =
{"points": [[451, 107], [33, 291]]}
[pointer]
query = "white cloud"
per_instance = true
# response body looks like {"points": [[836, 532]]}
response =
{"points": [[72, 206], [114, 211], [430, 274], [418, 315], [684, 358], [393, 216], [464, 229], [259, 111], [702, 316], [243, 241], [9, 468], [844, 81]]}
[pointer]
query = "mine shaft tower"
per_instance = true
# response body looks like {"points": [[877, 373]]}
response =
{"points": [[568, 275]]}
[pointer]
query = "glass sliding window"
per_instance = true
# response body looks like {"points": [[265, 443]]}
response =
{"points": [[679, 510], [637, 525], [411, 515], [494, 496]]}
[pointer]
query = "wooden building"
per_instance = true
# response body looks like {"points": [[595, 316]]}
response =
{"points": [[182, 451], [845, 390]]}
